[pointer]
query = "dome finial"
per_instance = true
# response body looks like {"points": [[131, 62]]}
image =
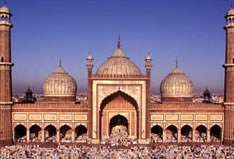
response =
{"points": [[177, 65], [118, 45], [60, 61]]}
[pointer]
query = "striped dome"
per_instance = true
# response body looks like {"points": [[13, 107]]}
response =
{"points": [[60, 84], [119, 64], [176, 84]]}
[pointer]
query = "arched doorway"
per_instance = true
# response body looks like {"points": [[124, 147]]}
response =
{"points": [[201, 134], [118, 123], [20, 133], [50, 133], [65, 133], [186, 134], [81, 133], [156, 134], [171, 134], [118, 130], [118, 108], [215, 133], [35, 133]]}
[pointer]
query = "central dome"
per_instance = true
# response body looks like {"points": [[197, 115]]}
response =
{"points": [[118, 64]]}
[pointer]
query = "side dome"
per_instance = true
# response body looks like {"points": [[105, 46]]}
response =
{"points": [[60, 86], [176, 87], [118, 64]]}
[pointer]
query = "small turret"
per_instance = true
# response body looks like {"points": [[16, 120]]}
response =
{"points": [[29, 96], [206, 96]]}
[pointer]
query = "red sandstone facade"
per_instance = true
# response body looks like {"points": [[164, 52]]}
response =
{"points": [[111, 96]]}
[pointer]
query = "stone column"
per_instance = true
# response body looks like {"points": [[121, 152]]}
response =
{"points": [[13, 134], [208, 135], [179, 136], [164, 136], [73, 135], [28, 135], [58, 136], [43, 135], [194, 136]]}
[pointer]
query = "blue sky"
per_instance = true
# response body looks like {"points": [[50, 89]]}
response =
{"points": [[191, 30]]}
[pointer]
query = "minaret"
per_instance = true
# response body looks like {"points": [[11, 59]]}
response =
{"points": [[5, 76], [148, 67], [90, 94], [229, 79]]}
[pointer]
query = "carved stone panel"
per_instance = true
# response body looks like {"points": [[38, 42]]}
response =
{"points": [[157, 117], [172, 117], [200, 117], [35, 116], [186, 117], [20, 116], [218, 117], [81, 117], [65, 117], [50, 117]]}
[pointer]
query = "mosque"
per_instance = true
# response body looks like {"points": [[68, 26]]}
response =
{"points": [[118, 99]]}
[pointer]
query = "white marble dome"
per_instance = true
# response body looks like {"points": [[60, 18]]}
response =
{"points": [[118, 64], [176, 84], [60, 84]]}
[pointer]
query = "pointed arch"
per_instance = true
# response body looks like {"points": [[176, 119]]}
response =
{"points": [[80, 133], [118, 103], [186, 133], [156, 133], [201, 135], [215, 133], [20, 133], [65, 133], [118, 120], [50, 133], [112, 96], [35, 133], [171, 133]]}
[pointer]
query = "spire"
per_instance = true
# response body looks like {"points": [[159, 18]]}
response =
{"points": [[118, 45], [60, 62], [177, 65]]}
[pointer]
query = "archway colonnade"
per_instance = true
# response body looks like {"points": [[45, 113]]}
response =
{"points": [[186, 133], [50, 133]]}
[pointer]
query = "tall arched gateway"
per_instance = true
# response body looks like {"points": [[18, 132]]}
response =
{"points": [[118, 109], [118, 88]]}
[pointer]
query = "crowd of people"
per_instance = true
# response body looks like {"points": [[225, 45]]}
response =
{"points": [[108, 152], [119, 137]]}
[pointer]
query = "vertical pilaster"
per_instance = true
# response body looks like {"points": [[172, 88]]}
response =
{"points": [[208, 135], [164, 136], [194, 132], [73, 135], [58, 136], [28, 135], [179, 135], [43, 135]]}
